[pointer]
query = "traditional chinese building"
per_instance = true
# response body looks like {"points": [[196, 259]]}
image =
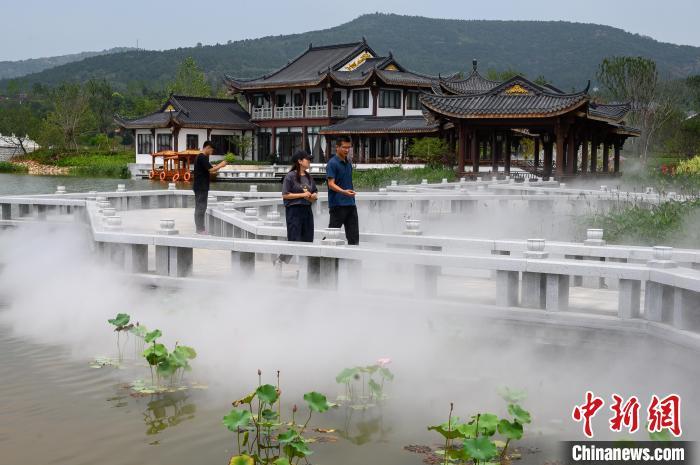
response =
{"points": [[570, 131], [184, 123], [349, 89], [337, 89]]}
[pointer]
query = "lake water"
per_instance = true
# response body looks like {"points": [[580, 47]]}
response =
{"points": [[13, 184]]}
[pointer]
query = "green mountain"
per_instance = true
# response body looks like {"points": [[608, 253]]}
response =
{"points": [[14, 69], [567, 54]]}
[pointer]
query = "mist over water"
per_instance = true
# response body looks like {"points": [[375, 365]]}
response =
{"points": [[58, 294]]}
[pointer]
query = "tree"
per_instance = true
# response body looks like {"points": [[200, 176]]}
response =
{"points": [[693, 83], [190, 80], [103, 103], [433, 150], [19, 123], [636, 80], [244, 144], [70, 115]]}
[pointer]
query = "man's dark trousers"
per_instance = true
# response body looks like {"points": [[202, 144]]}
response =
{"points": [[346, 215], [200, 208]]}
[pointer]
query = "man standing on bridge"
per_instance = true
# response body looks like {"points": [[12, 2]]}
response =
{"points": [[341, 196], [202, 171]]}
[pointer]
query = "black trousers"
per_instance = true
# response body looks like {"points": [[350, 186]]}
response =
{"points": [[300, 226], [346, 215], [200, 208]]}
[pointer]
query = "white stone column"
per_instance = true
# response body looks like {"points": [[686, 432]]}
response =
{"points": [[136, 258], [243, 264], [6, 211], [628, 301], [507, 283], [425, 280], [557, 293], [686, 309]]}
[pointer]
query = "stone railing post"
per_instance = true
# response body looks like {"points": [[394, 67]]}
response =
{"points": [[172, 261], [658, 298], [534, 285]]}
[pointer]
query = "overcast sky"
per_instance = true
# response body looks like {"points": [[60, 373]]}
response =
{"points": [[39, 28]]}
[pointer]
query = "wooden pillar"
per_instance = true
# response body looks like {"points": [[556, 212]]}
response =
{"points": [[304, 138], [594, 153], [329, 101], [303, 103], [375, 96], [536, 156], [495, 152], [176, 136], [616, 159], [507, 154], [571, 152], [462, 147], [363, 153], [584, 153], [548, 157], [606, 156], [273, 141], [559, 136], [475, 151]]}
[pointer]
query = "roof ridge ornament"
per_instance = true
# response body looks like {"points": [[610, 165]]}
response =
{"points": [[474, 64], [516, 89]]}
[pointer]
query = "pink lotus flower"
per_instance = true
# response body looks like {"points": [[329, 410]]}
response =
{"points": [[382, 362]]}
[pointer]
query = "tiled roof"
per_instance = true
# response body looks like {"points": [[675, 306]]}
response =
{"points": [[380, 124], [516, 97], [317, 64], [611, 111], [308, 68], [475, 83], [193, 112]]}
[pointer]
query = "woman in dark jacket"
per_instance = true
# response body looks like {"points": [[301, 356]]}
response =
{"points": [[299, 192]]}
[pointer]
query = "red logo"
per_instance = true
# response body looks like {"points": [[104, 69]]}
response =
{"points": [[662, 413]]}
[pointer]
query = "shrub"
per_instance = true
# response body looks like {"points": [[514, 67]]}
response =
{"points": [[8, 167], [381, 177], [691, 166], [432, 150]]}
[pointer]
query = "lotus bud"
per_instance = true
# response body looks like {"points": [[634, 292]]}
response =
{"points": [[294, 409], [259, 372]]}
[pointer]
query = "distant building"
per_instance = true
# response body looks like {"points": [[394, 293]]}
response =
{"points": [[184, 123], [11, 146]]}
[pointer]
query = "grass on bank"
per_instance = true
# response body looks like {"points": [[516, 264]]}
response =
{"points": [[92, 163], [8, 167], [670, 223], [382, 177]]}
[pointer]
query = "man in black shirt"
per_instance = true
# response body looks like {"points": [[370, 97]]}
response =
{"points": [[200, 186]]}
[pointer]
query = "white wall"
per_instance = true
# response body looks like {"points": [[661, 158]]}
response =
{"points": [[360, 111], [182, 137]]}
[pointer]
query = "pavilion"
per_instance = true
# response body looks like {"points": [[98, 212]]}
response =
{"points": [[490, 117]]}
